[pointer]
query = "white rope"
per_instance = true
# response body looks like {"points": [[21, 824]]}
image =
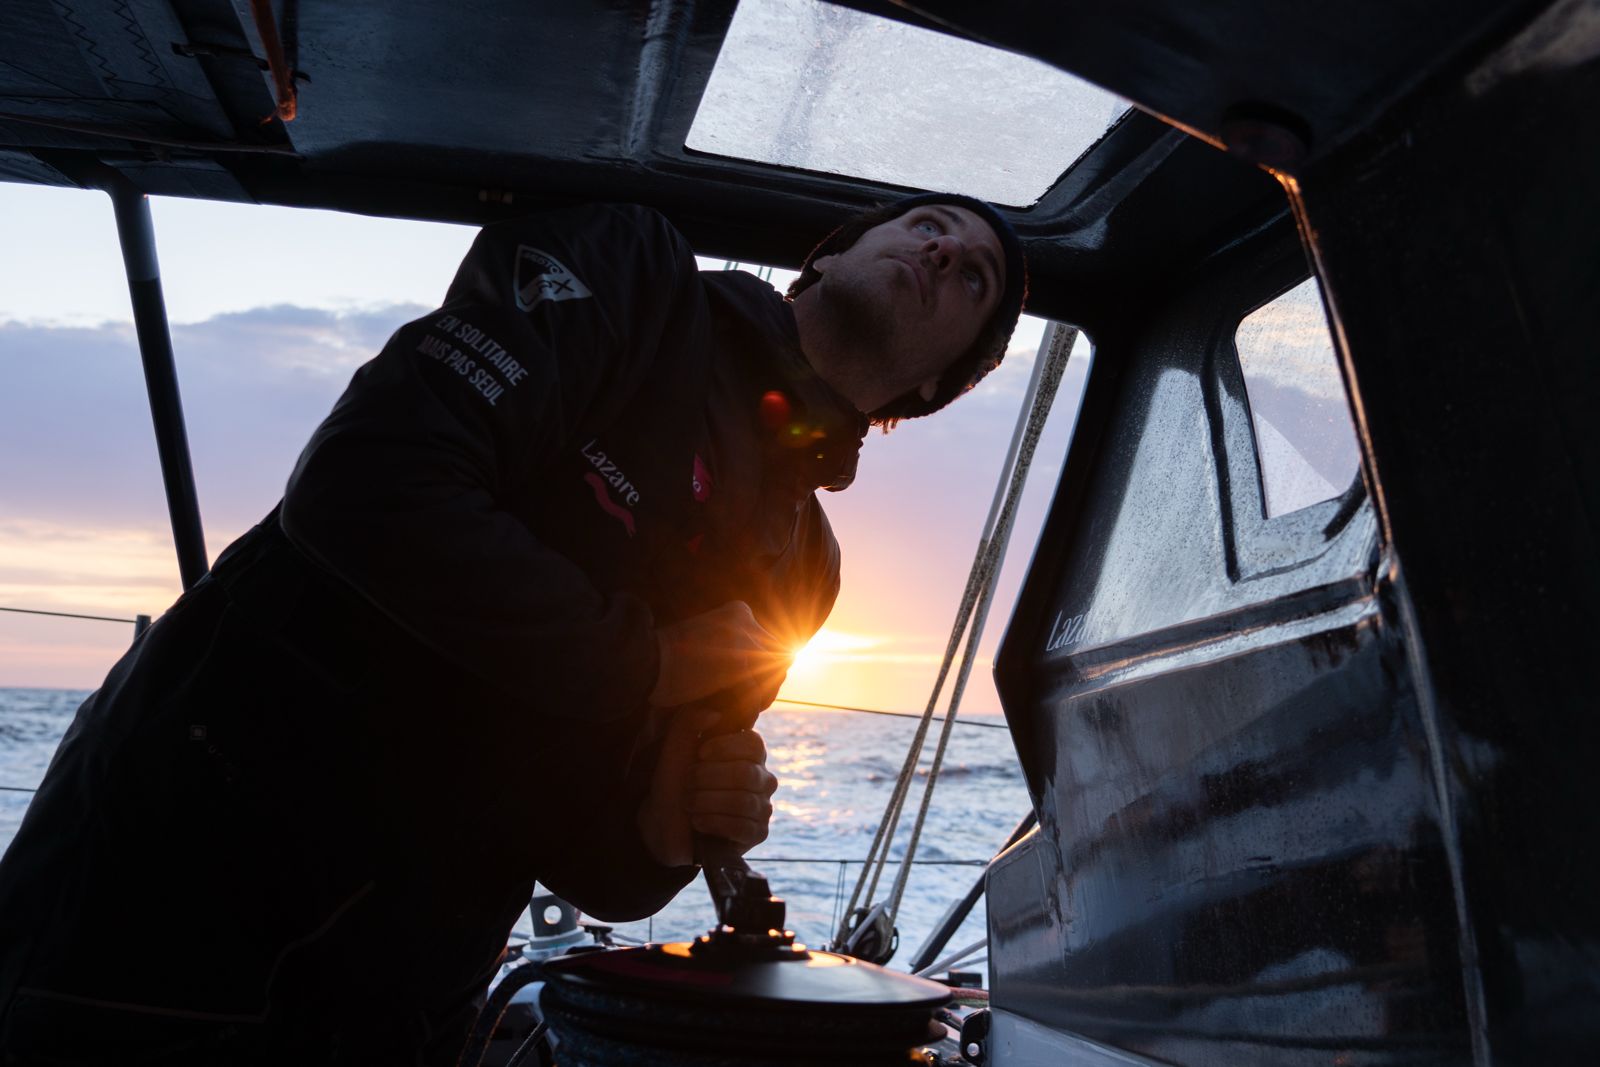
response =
{"points": [[1057, 342], [1049, 363], [957, 957], [870, 873], [1061, 341]]}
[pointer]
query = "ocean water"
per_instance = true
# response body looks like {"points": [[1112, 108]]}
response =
{"points": [[837, 771]]}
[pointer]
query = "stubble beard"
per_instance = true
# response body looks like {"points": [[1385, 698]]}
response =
{"points": [[864, 328]]}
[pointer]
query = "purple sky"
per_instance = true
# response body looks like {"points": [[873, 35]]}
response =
{"points": [[83, 522]]}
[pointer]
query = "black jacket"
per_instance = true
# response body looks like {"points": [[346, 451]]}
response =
{"points": [[314, 796]]}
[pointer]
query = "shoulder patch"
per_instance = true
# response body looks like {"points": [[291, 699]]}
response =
{"points": [[540, 276]]}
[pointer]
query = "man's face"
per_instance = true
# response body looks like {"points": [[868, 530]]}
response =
{"points": [[919, 288]]}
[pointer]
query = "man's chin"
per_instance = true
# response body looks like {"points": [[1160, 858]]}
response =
{"points": [[865, 317]]}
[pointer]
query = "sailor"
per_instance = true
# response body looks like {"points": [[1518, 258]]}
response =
{"points": [[549, 554]]}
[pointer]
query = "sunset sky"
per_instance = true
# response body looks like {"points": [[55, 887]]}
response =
{"points": [[272, 309]]}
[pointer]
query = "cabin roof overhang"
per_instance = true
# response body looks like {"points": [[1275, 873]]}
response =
{"points": [[479, 111]]}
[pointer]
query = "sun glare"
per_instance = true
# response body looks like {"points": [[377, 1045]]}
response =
{"points": [[813, 657]]}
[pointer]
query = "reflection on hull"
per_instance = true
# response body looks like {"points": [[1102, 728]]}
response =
{"points": [[1250, 857]]}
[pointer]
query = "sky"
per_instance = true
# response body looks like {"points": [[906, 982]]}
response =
{"points": [[271, 311], [831, 89]]}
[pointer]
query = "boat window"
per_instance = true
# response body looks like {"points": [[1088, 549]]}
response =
{"points": [[1305, 440], [800, 83]]}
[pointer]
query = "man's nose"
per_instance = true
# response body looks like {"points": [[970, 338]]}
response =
{"points": [[943, 251]]}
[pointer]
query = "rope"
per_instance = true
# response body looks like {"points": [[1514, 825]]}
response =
{"points": [[955, 958], [841, 862], [896, 714], [977, 577], [70, 615], [891, 813], [493, 1010], [760, 271], [100, 129], [1051, 360], [838, 898], [536, 1041], [1059, 344]]}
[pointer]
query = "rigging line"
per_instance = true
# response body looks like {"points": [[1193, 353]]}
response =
{"points": [[976, 577], [870, 874], [838, 897], [70, 615], [950, 923], [882, 836], [984, 565], [1035, 409], [833, 859], [896, 714], [957, 957], [99, 129], [1061, 339], [903, 785], [980, 960], [17, 789]]}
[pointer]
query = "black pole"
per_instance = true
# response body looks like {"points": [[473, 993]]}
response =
{"points": [[958, 914], [136, 231]]}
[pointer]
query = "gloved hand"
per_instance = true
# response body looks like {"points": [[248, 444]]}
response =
{"points": [[725, 651], [716, 785]]}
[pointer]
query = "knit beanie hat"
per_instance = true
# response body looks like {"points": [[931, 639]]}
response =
{"points": [[985, 353]]}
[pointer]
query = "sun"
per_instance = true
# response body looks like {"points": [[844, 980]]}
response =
{"points": [[826, 648], [806, 662]]}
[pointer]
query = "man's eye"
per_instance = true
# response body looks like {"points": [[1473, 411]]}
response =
{"points": [[974, 281], [927, 226]]}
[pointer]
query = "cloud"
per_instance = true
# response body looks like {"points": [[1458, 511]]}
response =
{"points": [[105, 571], [1316, 427], [1286, 344], [83, 522], [831, 648], [76, 444], [83, 517], [111, 572], [286, 340]]}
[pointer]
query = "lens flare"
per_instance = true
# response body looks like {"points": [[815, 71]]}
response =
{"points": [[814, 657]]}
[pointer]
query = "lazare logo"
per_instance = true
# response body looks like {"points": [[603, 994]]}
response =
{"points": [[605, 477], [701, 484], [539, 276], [1066, 631]]}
